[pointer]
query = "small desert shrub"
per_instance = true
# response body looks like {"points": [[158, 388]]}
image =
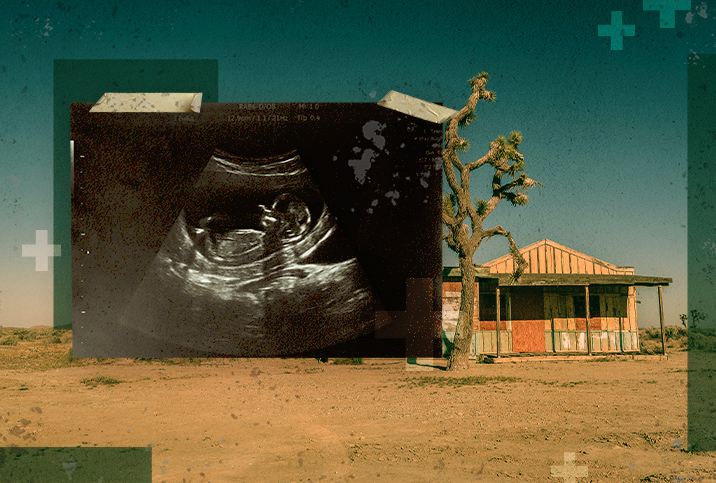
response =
{"points": [[650, 338], [674, 332], [650, 333], [67, 360], [348, 361], [702, 339], [173, 361], [8, 341], [100, 380], [650, 346], [459, 381], [26, 335]]}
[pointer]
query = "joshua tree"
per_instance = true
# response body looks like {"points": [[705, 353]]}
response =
{"points": [[504, 158], [696, 317]]}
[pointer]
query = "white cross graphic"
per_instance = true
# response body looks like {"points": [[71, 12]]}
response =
{"points": [[569, 471], [41, 251]]}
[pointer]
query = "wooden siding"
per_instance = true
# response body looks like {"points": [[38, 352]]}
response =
{"points": [[451, 305], [565, 331], [546, 256], [546, 309]]}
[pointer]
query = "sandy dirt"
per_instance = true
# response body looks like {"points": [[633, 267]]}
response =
{"points": [[288, 420]]}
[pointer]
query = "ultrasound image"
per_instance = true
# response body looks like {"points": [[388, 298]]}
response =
{"points": [[257, 258], [254, 230]]}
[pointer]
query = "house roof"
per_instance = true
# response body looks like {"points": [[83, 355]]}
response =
{"points": [[549, 263], [452, 274], [547, 256]]}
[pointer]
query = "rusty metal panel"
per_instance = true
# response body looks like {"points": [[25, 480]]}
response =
{"points": [[528, 336], [451, 287]]}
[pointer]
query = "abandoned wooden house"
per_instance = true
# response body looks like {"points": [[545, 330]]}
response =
{"points": [[548, 309]]}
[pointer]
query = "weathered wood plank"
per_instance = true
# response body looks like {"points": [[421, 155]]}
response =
{"points": [[542, 259], [533, 262]]}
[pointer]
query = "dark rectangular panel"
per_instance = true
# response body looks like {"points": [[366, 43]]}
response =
{"points": [[86, 80], [256, 230]]}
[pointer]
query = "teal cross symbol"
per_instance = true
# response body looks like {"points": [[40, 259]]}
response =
{"points": [[569, 471], [667, 10], [41, 251], [616, 31]]}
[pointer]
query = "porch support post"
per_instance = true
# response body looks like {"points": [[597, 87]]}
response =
{"points": [[589, 331], [476, 325], [498, 320], [661, 317]]}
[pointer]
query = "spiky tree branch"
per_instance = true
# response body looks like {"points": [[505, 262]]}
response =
{"points": [[463, 219]]}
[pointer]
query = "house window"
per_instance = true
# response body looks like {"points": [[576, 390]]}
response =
{"points": [[594, 306], [488, 306], [594, 310]]}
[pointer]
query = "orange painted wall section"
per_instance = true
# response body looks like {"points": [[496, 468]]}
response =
{"points": [[528, 336]]}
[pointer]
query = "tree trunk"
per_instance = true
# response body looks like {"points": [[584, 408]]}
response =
{"points": [[463, 332]]}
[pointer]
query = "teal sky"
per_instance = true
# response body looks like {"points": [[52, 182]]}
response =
{"points": [[604, 130]]}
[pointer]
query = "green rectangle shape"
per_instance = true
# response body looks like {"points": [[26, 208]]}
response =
{"points": [[701, 151], [77, 465], [86, 81]]}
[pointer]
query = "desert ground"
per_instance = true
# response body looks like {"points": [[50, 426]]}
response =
{"points": [[300, 420]]}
